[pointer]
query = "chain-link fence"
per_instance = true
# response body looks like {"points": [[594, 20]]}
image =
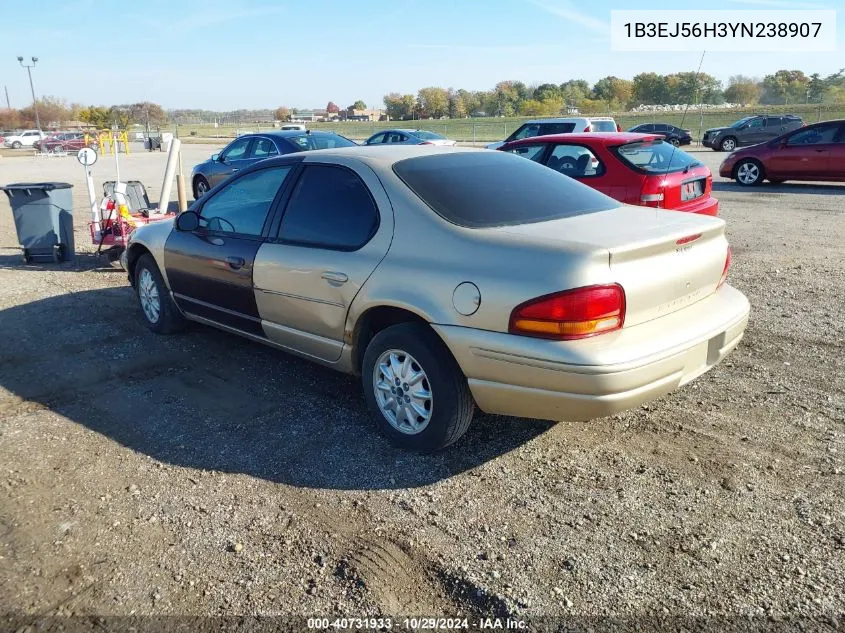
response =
{"points": [[485, 130]]}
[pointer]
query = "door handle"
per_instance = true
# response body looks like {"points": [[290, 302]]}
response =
{"points": [[235, 262], [234, 169], [333, 277]]}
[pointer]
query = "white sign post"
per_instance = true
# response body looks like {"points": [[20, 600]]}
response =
{"points": [[87, 157]]}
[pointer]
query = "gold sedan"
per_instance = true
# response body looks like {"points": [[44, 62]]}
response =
{"points": [[450, 280]]}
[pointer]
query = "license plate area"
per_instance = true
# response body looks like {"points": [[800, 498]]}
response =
{"points": [[692, 189]]}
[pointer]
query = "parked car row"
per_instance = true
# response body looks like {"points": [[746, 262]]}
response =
{"points": [[67, 141]]}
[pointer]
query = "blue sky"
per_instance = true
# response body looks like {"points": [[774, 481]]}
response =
{"points": [[228, 54]]}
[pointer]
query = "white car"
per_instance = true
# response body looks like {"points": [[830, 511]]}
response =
{"points": [[27, 138], [542, 127]]}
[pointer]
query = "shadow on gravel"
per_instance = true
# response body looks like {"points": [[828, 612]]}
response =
{"points": [[208, 400], [787, 187]]}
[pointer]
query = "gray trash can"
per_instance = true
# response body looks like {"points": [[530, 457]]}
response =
{"points": [[43, 213]]}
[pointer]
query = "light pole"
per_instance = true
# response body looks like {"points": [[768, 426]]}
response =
{"points": [[29, 68]]}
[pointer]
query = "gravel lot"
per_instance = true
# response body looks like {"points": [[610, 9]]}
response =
{"points": [[205, 475]]}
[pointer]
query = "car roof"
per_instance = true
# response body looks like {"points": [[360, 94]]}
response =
{"points": [[383, 155], [602, 138], [290, 133]]}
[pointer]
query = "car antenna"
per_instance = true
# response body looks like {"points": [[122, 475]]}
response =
{"points": [[683, 118]]}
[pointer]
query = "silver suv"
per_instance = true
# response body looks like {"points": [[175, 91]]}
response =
{"points": [[750, 130]]}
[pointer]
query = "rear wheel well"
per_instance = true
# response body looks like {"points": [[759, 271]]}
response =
{"points": [[374, 321], [135, 252]]}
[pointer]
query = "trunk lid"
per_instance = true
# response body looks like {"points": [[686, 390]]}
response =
{"points": [[664, 260], [680, 190]]}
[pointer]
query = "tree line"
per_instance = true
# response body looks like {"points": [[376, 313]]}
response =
{"points": [[53, 112], [614, 94]]}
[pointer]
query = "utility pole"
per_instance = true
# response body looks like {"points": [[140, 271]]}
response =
{"points": [[29, 68], [8, 104]]}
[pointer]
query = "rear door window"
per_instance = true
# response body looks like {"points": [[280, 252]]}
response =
{"points": [[575, 161], [526, 131], [492, 189], [556, 128], [532, 152], [821, 134], [263, 148], [603, 126], [330, 207], [377, 139]]}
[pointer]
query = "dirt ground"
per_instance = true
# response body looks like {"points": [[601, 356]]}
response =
{"points": [[204, 475]]}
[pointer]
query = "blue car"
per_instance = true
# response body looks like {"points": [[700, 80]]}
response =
{"points": [[407, 137], [248, 149]]}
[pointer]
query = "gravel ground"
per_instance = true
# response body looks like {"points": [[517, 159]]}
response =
{"points": [[204, 475]]}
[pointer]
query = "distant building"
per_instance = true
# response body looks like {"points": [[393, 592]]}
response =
{"points": [[371, 114]]}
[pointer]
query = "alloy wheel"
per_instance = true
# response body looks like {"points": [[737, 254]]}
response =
{"points": [[149, 297], [748, 173], [403, 392]]}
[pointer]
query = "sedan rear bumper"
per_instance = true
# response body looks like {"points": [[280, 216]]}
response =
{"points": [[704, 205], [603, 375]]}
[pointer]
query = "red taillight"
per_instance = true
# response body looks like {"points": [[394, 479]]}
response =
{"points": [[725, 269], [618, 128], [571, 314]]}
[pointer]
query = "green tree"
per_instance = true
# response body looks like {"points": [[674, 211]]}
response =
{"points": [[98, 116], [650, 88], [147, 114], [433, 102], [547, 92], [359, 105], [785, 86], [574, 90], [399, 106], [743, 90]]}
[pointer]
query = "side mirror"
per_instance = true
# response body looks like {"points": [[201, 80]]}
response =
{"points": [[216, 158], [187, 221]]}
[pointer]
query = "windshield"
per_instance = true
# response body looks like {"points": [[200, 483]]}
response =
{"points": [[427, 136], [603, 126], [320, 141], [742, 122], [655, 157], [487, 189]]}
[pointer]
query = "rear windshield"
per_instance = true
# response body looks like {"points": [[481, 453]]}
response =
{"points": [[320, 141], [655, 157], [492, 188], [602, 126], [427, 136]]}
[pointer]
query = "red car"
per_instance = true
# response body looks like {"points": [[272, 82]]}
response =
{"points": [[68, 141], [813, 152], [640, 169]]}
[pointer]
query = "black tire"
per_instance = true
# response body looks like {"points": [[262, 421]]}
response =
{"points": [[749, 172], [58, 148], [452, 403], [94, 146], [169, 320], [200, 182], [728, 144], [675, 142], [16, 145]]}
